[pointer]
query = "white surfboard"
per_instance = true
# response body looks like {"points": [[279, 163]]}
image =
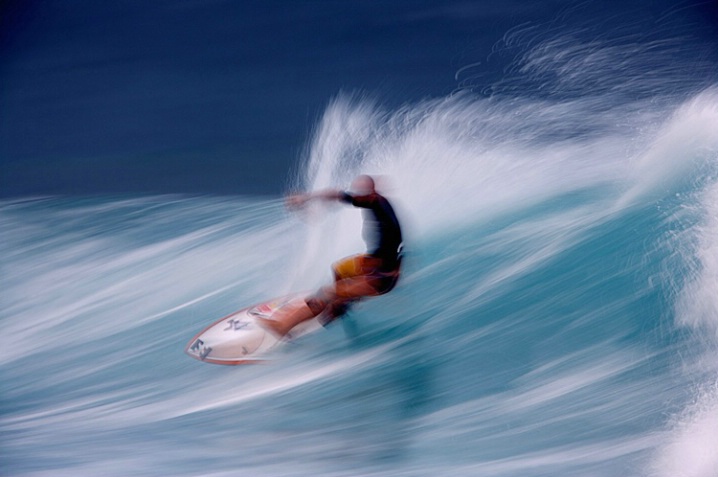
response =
{"points": [[239, 339]]}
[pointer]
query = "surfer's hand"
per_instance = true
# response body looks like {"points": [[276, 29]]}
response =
{"points": [[296, 201]]}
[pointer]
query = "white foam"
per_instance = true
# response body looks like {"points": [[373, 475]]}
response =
{"points": [[697, 305], [685, 145], [691, 449]]}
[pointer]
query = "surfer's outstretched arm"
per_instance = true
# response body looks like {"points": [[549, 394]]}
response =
{"points": [[298, 200]]}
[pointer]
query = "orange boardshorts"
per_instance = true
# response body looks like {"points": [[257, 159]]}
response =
{"points": [[359, 275], [355, 277]]}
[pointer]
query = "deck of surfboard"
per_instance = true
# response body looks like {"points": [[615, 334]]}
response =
{"points": [[238, 338]]}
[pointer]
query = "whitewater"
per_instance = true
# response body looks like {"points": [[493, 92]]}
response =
{"points": [[557, 316]]}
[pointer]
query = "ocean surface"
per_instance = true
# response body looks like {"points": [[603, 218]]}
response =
{"points": [[557, 315]]}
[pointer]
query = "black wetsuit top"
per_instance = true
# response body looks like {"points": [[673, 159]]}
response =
{"points": [[382, 231]]}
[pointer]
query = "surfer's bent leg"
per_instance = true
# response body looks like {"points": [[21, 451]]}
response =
{"points": [[327, 301], [355, 278]]}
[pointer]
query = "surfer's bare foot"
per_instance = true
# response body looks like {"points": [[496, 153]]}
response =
{"points": [[274, 326]]}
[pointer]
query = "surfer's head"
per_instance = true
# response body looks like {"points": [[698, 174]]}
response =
{"points": [[363, 185]]}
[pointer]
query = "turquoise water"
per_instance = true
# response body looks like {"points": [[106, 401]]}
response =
{"points": [[557, 316]]}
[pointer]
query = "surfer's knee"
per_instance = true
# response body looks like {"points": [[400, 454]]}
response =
{"points": [[331, 307], [321, 300], [316, 303]]}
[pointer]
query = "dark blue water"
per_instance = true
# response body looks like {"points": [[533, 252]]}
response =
{"points": [[557, 315]]}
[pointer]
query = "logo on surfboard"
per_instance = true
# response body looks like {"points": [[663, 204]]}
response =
{"points": [[235, 325], [200, 349]]}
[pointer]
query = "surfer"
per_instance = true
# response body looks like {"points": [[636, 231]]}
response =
{"points": [[370, 274]]}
